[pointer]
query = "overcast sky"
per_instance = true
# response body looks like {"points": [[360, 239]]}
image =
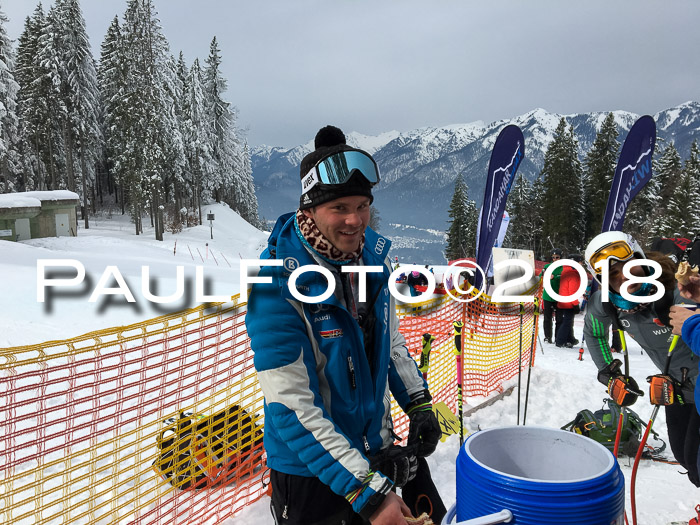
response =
{"points": [[373, 66]]}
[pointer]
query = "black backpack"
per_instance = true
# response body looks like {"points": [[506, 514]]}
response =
{"points": [[601, 426]]}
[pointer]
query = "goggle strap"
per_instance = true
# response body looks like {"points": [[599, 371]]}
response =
{"points": [[309, 181]]}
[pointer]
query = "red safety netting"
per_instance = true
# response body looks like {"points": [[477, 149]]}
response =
{"points": [[121, 425]]}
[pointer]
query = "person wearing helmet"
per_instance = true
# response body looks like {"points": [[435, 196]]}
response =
{"points": [[648, 323], [328, 368], [416, 278], [549, 304]]}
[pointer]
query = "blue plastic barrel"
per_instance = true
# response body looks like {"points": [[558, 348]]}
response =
{"points": [[541, 475]]}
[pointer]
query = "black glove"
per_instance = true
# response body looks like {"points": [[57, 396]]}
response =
{"points": [[622, 389], [576, 309], [424, 430], [399, 464]]}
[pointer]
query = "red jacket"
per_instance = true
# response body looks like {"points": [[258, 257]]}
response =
{"points": [[569, 283]]}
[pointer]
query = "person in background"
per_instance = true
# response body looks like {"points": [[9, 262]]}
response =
{"points": [[416, 278], [549, 304], [569, 282], [328, 368], [648, 322]]}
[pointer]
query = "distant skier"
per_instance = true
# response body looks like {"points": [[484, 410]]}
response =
{"points": [[549, 304], [569, 283], [416, 278]]}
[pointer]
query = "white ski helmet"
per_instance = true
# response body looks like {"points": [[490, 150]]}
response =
{"points": [[611, 245]]}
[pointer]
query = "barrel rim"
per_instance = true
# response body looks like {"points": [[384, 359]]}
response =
{"points": [[612, 462]]}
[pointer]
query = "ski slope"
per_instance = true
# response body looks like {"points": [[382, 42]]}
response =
{"points": [[561, 385]]}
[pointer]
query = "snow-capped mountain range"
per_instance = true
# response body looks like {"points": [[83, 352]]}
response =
{"points": [[418, 168]]}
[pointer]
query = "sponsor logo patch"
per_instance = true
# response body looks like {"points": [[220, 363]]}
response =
{"points": [[379, 246], [332, 334], [309, 181], [291, 264]]}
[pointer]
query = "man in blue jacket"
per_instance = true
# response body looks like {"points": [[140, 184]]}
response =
{"points": [[328, 364]]}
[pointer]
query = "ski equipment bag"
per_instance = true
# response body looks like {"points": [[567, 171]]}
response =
{"points": [[601, 426], [199, 451]]}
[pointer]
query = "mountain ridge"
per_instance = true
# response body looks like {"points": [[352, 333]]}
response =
{"points": [[418, 168]]}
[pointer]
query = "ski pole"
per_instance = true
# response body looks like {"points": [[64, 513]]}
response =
{"points": [[535, 313], [621, 417], [425, 354], [458, 325], [640, 450], [520, 358]]}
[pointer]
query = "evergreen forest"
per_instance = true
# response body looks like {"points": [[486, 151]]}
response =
{"points": [[139, 130]]}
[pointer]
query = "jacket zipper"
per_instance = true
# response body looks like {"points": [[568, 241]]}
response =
{"points": [[351, 372]]}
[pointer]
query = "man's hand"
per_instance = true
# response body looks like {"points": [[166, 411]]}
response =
{"points": [[692, 289], [424, 430], [678, 315], [399, 464], [391, 511]]}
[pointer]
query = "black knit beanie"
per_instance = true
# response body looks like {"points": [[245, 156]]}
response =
{"points": [[329, 140]]}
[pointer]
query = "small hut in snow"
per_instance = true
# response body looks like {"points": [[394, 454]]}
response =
{"points": [[33, 214]]}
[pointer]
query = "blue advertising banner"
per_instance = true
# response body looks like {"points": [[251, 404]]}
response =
{"points": [[508, 152], [633, 171]]}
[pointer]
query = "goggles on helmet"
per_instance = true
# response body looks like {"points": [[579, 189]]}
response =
{"points": [[619, 250], [337, 168]]}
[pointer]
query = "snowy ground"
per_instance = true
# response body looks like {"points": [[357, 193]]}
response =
{"points": [[560, 385]]}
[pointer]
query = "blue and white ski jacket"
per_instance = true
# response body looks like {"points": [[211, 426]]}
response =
{"points": [[691, 336], [326, 409]]}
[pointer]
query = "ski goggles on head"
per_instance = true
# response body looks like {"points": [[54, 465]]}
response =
{"points": [[618, 250], [337, 168]]}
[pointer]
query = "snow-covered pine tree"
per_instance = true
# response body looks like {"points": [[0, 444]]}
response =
{"points": [[643, 210], [535, 214], [692, 167], [461, 234], [248, 204], [53, 60], [667, 172], [682, 211], [173, 167], [525, 209], [182, 189], [564, 215], [30, 126], [111, 78], [152, 135], [197, 135], [232, 176], [44, 99], [220, 119], [600, 164], [9, 125], [519, 229], [80, 95]]}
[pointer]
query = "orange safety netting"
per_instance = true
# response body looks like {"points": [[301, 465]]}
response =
{"points": [[84, 437], [494, 343]]}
